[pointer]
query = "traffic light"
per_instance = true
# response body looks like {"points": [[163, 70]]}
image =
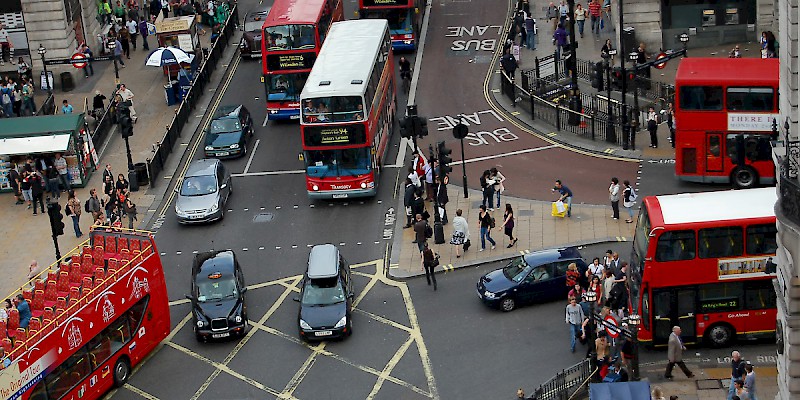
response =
{"points": [[597, 75], [632, 81], [406, 130], [56, 218], [444, 158], [124, 119], [420, 126], [616, 78]]}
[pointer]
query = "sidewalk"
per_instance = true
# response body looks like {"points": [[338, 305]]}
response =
{"points": [[34, 241], [533, 225], [709, 383]]}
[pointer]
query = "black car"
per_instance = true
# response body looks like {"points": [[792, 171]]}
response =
{"points": [[326, 296], [250, 46], [531, 278], [228, 132], [218, 304]]}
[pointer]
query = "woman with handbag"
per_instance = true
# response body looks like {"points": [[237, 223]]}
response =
{"points": [[429, 261], [460, 233]]}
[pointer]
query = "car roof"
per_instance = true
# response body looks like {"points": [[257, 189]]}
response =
{"points": [[258, 15], [323, 261], [547, 256], [221, 261], [228, 111], [204, 167]]}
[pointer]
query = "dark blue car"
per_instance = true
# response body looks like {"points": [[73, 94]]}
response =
{"points": [[531, 278]]}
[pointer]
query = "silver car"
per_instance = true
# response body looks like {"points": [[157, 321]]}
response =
{"points": [[203, 192]]}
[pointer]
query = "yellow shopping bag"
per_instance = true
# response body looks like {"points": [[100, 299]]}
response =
{"points": [[555, 211]]}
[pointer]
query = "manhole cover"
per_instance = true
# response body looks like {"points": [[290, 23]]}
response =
{"points": [[525, 213], [263, 217], [708, 384]]}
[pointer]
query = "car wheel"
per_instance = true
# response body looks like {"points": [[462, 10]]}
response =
{"points": [[720, 336], [122, 370], [349, 328], [744, 177], [508, 304]]}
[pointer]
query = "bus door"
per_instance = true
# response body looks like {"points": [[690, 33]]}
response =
{"points": [[714, 152], [674, 307]]}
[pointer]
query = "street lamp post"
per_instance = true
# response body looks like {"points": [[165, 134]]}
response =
{"points": [[112, 46], [460, 131], [610, 121], [625, 127], [684, 38], [42, 50], [633, 322], [575, 99], [634, 56]]}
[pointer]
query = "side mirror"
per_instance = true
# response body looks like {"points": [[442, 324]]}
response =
{"points": [[224, 185], [296, 298]]}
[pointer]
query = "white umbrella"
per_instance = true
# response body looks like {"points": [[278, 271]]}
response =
{"points": [[167, 56]]}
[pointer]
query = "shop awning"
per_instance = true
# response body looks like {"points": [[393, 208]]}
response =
{"points": [[34, 144], [41, 125]]}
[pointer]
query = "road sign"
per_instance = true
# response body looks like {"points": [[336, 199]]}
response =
{"points": [[661, 65], [78, 60], [611, 326]]}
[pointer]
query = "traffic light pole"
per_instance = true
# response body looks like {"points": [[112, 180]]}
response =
{"points": [[464, 170], [436, 176], [625, 127], [55, 243]]}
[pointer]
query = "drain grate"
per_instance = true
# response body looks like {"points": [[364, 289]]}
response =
{"points": [[708, 384], [263, 217]]}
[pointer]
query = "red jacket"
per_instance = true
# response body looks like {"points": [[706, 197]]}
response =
{"points": [[594, 8]]}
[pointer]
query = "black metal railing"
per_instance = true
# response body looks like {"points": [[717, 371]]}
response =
{"points": [[566, 384], [48, 107], [162, 150]]}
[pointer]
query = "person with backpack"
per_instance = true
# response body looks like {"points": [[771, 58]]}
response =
{"points": [[628, 199], [486, 222], [92, 205]]}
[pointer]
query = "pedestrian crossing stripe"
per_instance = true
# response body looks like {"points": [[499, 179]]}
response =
{"points": [[448, 267], [515, 113], [551, 134], [608, 151]]}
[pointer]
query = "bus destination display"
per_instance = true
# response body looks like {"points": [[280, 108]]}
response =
{"points": [[278, 62]]}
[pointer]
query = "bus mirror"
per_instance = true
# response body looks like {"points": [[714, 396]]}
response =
{"points": [[300, 157]]}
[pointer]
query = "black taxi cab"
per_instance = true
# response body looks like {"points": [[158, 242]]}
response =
{"points": [[218, 302]]}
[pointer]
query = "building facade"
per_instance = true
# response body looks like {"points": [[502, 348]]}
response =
{"points": [[786, 154]]}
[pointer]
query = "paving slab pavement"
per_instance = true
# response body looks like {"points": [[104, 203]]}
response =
{"points": [[30, 236]]}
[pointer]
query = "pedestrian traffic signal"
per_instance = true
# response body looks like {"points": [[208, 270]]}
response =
{"points": [[420, 125], [406, 130], [444, 158], [56, 219], [125, 120], [597, 76], [616, 78], [632, 81]]}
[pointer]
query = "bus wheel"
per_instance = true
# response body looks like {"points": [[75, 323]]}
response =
{"points": [[121, 371], [744, 177], [719, 335]]}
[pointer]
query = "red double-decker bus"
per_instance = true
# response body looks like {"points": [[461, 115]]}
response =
{"points": [[95, 315], [702, 261], [725, 111], [349, 110], [404, 16], [293, 33]]}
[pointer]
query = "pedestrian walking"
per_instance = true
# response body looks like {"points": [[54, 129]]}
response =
{"points": [[125, 40], [429, 262], [133, 30], [126, 95], [652, 126], [408, 200], [594, 15], [66, 108], [739, 390], [669, 118], [580, 17], [498, 178], [552, 15], [560, 39], [73, 209], [25, 185], [460, 233], [14, 180], [52, 182], [530, 30], [143, 32], [5, 46], [628, 199], [509, 64], [118, 52], [565, 195], [613, 196], [428, 172], [104, 11], [130, 210], [675, 350], [508, 225], [519, 26], [487, 186], [7, 100], [737, 371], [93, 205], [37, 190], [63, 171], [165, 8], [574, 318], [563, 13], [88, 70], [486, 223], [750, 380], [28, 107]]}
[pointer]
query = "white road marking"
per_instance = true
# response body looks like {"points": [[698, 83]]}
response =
{"points": [[252, 154], [265, 173], [266, 118], [511, 153]]}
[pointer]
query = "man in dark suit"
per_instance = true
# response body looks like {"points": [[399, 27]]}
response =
{"points": [[675, 350]]}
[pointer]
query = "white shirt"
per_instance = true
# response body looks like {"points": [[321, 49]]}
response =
{"points": [[211, 8], [596, 270], [126, 94], [414, 179], [61, 165], [428, 173], [133, 27]]}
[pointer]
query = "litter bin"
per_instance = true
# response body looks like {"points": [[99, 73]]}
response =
{"points": [[67, 83], [141, 173], [170, 93]]}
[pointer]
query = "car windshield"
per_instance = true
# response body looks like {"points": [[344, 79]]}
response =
{"points": [[225, 125], [344, 162], [216, 289], [323, 292], [399, 20], [289, 37], [517, 269], [198, 185], [254, 23], [285, 87]]}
